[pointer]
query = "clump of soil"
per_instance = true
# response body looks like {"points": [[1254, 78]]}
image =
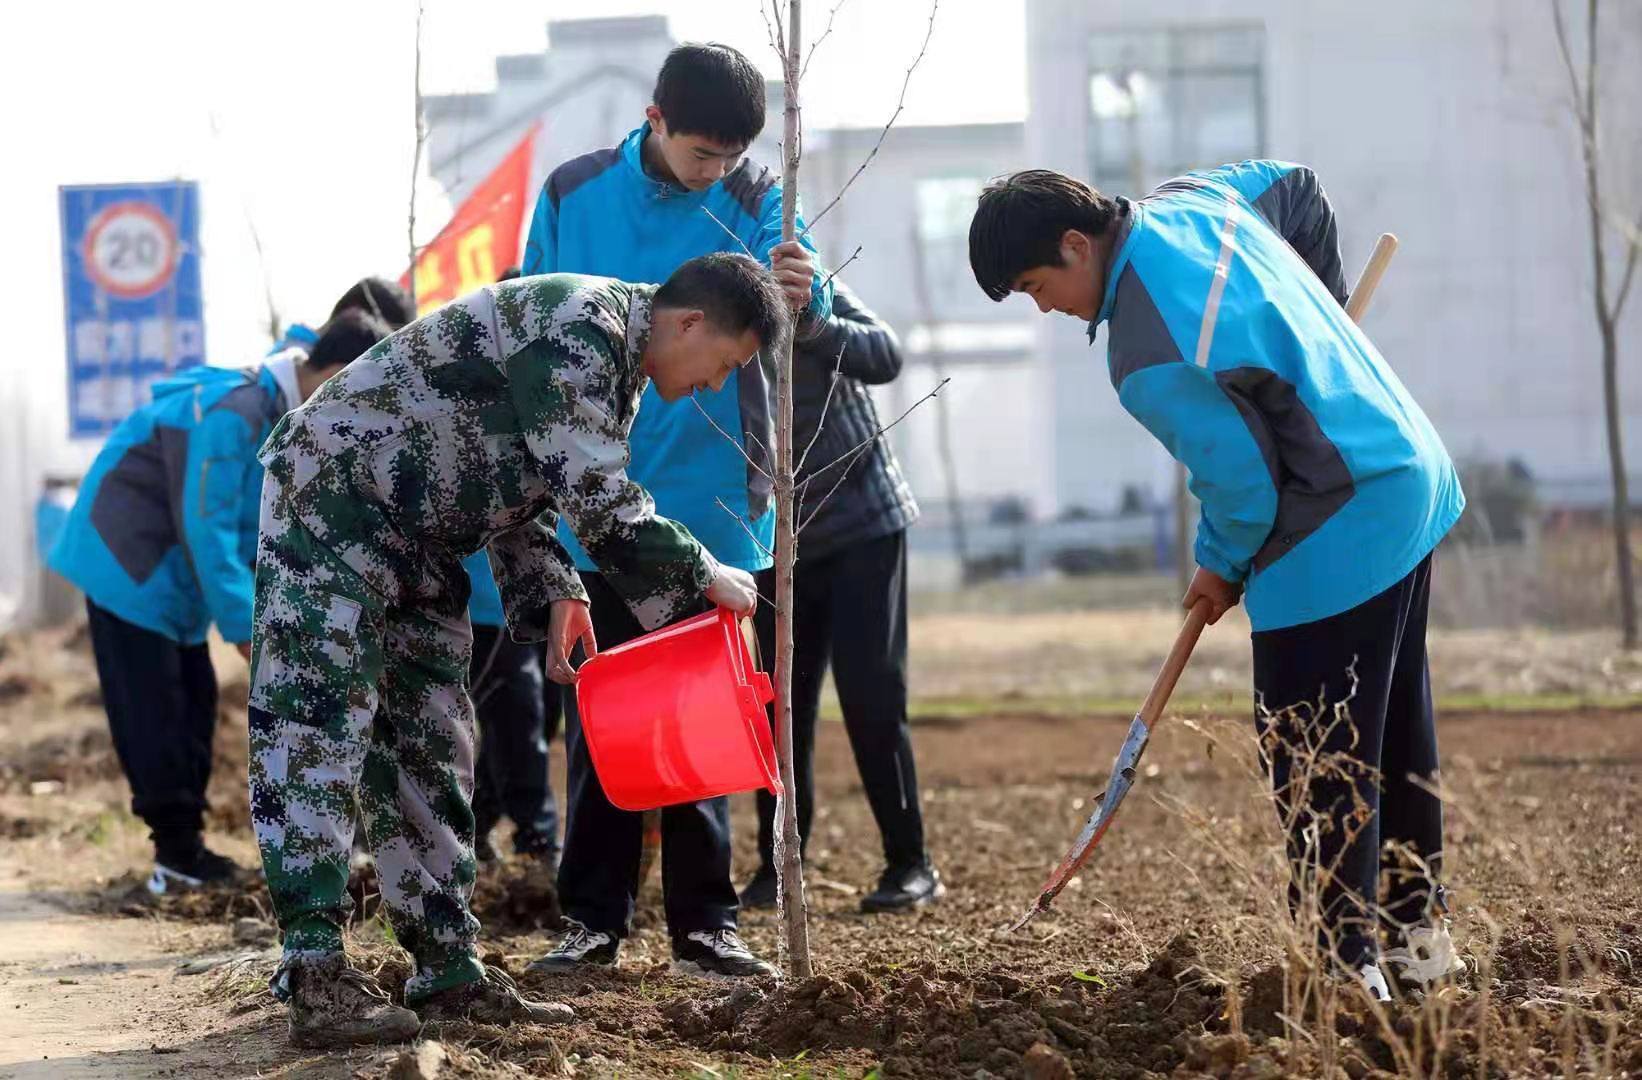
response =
{"points": [[518, 896], [933, 1022]]}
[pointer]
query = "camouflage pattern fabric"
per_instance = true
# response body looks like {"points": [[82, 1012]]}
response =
{"points": [[478, 424]]}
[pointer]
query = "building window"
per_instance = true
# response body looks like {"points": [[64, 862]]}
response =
{"points": [[1164, 102], [945, 206]]}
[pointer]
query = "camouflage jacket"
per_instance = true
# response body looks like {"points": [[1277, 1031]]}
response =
{"points": [[483, 423]]}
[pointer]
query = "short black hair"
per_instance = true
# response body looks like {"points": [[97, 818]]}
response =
{"points": [[737, 293], [1020, 220], [345, 338], [378, 297], [711, 90]]}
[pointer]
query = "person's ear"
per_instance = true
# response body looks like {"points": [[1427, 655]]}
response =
{"points": [[691, 319], [1074, 247], [657, 123]]}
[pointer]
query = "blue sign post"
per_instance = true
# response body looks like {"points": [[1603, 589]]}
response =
{"points": [[131, 295]]}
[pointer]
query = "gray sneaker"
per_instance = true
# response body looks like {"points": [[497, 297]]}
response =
{"points": [[335, 1004], [494, 999]]}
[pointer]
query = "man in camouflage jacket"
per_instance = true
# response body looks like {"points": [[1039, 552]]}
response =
{"points": [[478, 425]]}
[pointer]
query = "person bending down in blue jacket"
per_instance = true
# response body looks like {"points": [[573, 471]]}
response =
{"points": [[161, 540], [1324, 491]]}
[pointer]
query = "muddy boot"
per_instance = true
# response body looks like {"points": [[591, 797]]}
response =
{"points": [[336, 1004], [495, 999]]}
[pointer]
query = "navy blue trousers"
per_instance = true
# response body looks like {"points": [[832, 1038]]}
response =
{"points": [[161, 700], [518, 714], [1345, 718]]}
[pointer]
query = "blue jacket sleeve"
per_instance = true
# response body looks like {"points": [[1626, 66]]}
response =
{"points": [[1291, 199], [542, 241], [768, 235], [221, 449], [1183, 406]]}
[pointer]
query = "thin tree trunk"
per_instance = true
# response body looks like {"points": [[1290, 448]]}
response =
{"points": [[416, 163], [1621, 488], [793, 907], [1606, 318], [943, 415]]}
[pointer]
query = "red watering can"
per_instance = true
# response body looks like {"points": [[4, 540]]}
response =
{"points": [[678, 715]]}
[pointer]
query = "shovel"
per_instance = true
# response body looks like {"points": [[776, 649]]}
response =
{"points": [[1125, 768]]}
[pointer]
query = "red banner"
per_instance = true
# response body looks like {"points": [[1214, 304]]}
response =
{"points": [[482, 238]]}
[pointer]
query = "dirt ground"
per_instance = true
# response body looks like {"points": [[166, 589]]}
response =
{"points": [[1163, 959]]}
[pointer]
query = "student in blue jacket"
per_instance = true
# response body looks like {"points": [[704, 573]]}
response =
{"points": [[161, 540], [1324, 491], [635, 212]]}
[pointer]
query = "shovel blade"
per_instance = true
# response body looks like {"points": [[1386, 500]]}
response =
{"points": [[1100, 819]]}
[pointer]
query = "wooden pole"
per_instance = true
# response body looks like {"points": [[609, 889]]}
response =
{"points": [[791, 861]]}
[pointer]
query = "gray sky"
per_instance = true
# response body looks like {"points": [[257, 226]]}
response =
{"points": [[297, 116]]}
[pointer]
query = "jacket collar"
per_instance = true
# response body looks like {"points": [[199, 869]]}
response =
{"points": [[279, 377], [1128, 219], [639, 313], [632, 153]]}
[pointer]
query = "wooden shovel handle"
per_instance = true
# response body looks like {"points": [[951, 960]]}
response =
{"points": [[1185, 641], [1369, 279]]}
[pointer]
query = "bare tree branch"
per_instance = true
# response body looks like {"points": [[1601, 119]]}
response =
{"points": [[731, 439], [855, 453], [1576, 95], [748, 529], [900, 105], [731, 233], [416, 158], [817, 43], [837, 373], [840, 270], [1625, 282]]}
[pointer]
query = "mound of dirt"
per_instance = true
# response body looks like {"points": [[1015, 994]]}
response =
{"points": [[931, 1022]]}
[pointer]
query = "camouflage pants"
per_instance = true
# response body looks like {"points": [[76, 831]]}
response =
{"points": [[360, 657]]}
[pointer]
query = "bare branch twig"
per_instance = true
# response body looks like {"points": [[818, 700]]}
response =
{"points": [[416, 158], [731, 233], [748, 529], [840, 270], [855, 454], [1625, 281], [900, 105], [837, 373], [817, 43], [732, 439]]}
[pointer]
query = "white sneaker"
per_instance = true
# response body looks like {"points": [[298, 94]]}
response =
{"points": [[1426, 957], [1372, 979]]}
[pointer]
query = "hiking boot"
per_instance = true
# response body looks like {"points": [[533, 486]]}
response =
{"points": [[717, 952], [578, 948], [760, 892], [335, 1004], [904, 888], [1426, 957], [494, 999], [195, 870]]}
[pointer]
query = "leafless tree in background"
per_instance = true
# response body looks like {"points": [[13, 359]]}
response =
{"points": [[1606, 220]]}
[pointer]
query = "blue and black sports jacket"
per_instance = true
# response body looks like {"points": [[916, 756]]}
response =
{"points": [[164, 530], [1322, 483], [602, 214]]}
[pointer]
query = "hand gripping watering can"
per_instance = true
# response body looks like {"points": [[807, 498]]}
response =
{"points": [[678, 715]]}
